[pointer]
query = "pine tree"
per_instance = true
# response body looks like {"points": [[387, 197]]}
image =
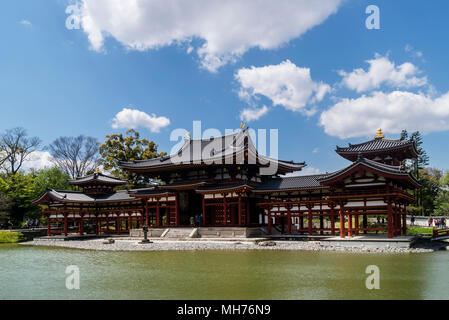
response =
{"points": [[418, 164]]}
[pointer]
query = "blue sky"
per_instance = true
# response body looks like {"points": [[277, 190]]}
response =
{"points": [[59, 82]]}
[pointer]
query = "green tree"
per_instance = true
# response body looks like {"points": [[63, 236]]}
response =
{"points": [[131, 147], [442, 203], [442, 200], [51, 178], [416, 166], [20, 192]]}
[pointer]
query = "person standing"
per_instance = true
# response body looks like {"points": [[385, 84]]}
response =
{"points": [[412, 220]]}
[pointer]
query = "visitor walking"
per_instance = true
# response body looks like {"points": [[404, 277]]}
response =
{"points": [[197, 221], [192, 222], [412, 220]]}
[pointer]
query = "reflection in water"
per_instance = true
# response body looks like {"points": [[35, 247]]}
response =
{"points": [[39, 273]]}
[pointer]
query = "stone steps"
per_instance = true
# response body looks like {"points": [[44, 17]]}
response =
{"points": [[179, 233]]}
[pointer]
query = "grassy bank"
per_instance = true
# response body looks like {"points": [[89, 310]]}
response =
{"points": [[420, 230], [11, 237]]}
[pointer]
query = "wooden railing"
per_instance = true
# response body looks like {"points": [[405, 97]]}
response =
{"points": [[440, 232]]}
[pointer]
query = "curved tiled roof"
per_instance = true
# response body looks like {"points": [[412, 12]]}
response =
{"points": [[292, 183], [97, 178], [214, 149], [378, 144], [79, 197], [394, 170]]}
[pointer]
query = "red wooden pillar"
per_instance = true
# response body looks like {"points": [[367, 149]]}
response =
{"points": [[240, 209], [310, 219], [321, 216], [147, 221], [107, 224], [65, 224], [365, 217], [48, 225], [342, 221], [176, 210], [81, 226], [98, 225], [321, 222], [117, 223], [349, 224], [270, 222], [404, 219], [204, 209], [130, 222], [332, 220], [289, 217], [158, 213], [395, 220], [225, 209], [356, 216], [301, 223], [247, 213], [390, 219]]}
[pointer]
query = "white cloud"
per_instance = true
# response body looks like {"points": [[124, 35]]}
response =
{"points": [[390, 111], [227, 29], [133, 118], [25, 23], [284, 84], [252, 114], [383, 71], [37, 160], [316, 150], [307, 171]]}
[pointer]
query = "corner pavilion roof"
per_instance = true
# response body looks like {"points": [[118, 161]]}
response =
{"points": [[405, 148], [97, 178], [60, 196], [316, 181], [395, 171], [228, 149], [379, 144]]}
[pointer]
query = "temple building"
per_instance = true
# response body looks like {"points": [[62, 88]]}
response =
{"points": [[225, 182]]}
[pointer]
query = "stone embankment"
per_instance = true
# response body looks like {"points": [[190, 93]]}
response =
{"points": [[173, 245]]}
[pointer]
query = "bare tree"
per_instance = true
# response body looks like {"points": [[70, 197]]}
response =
{"points": [[15, 147], [75, 155]]}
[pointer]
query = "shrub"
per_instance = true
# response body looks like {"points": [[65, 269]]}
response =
{"points": [[11, 237]]}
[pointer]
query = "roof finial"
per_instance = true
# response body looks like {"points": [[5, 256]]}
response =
{"points": [[97, 170], [379, 134], [242, 125]]}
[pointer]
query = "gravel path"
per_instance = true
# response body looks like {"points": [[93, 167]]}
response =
{"points": [[167, 245]]}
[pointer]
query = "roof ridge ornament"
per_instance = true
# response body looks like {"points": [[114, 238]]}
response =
{"points": [[97, 171], [379, 134]]}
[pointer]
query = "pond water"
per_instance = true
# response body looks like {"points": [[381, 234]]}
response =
{"points": [[39, 273]]}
